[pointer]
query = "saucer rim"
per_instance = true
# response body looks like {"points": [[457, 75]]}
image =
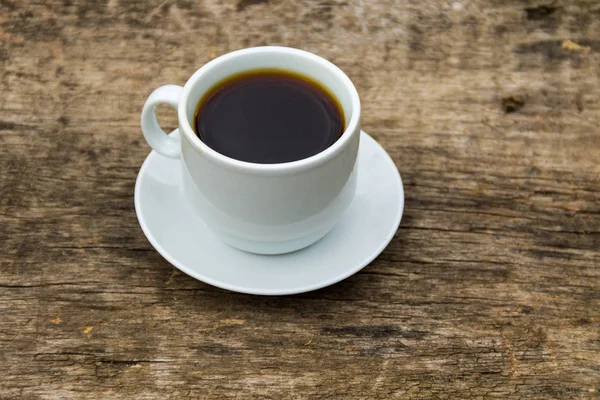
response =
{"points": [[257, 291]]}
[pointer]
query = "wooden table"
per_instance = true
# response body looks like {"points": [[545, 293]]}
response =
{"points": [[490, 288]]}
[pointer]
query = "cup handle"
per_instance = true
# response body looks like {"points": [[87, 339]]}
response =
{"points": [[160, 142]]}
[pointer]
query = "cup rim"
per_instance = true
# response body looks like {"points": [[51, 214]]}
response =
{"points": [[299, 165]]}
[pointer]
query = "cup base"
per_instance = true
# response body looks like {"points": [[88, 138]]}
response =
{"points": [[273, 248]]}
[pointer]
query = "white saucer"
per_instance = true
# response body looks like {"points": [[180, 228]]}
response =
{"points": [[182, 239]]}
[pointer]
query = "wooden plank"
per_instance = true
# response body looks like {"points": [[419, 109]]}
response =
{"points": [[490, 289]]}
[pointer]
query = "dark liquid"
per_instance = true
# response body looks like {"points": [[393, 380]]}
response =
{"points": [[269, 116]]}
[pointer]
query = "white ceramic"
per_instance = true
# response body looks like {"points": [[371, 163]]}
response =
{"points": [[363, 231], [261, 208]]}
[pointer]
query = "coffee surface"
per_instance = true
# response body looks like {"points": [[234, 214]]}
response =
{"points": [[269, 116]]}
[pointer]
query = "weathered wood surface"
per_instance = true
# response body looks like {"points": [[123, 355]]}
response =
{"points": [[490, 289]]}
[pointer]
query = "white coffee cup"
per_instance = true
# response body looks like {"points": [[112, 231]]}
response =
{"points": [[261, 208]]}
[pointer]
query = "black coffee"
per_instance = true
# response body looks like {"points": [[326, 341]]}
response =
{"points": [[269, 116]]}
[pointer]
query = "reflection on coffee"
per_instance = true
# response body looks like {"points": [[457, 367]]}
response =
{"points": [[269, 116]]}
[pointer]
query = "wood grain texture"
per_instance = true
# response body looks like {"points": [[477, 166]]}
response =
{"points": [[490, 288]]}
